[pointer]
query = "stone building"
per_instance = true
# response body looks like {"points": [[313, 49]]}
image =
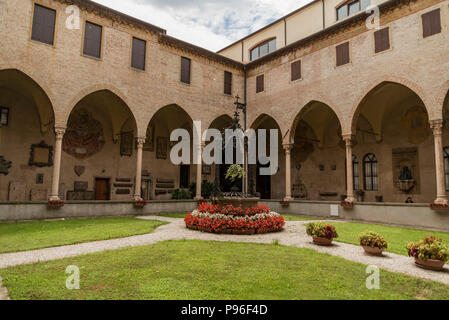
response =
{"points": [[87, 112]]}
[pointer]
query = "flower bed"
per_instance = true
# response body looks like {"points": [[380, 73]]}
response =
{"points": [[229, 219]]}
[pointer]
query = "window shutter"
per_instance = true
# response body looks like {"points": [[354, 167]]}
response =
{"points": [[43, 24], [260, 84], [382, 40], [92, 40], [342, 52], [139, 54], [296, 70], [431, 23], [185, 70], [227, 83]]}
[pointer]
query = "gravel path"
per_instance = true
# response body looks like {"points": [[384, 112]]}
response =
{"points": [[294, 235]]}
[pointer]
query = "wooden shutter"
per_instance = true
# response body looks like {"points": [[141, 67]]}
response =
{"points": [[92, 40], [139, 54], [342, 52], [43, 24], [227, 83], [431, 23], [185, 70], [382, 40], [260, 84], [296, 70]]}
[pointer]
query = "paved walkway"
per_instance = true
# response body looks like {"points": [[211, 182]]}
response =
{"points": [[294, 235]]}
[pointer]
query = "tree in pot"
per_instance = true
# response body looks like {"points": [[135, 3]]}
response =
{"points": [[373, 243], [429, 253], [323, 233], [235, 172]]}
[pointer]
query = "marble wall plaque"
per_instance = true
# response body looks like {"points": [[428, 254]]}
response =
{"points": [[38, 195], [17, 191]]}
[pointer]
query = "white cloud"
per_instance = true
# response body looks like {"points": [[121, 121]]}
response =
{"points": [[211, 24]]}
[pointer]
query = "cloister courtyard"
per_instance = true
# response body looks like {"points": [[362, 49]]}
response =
{"points": [[158, 258]]}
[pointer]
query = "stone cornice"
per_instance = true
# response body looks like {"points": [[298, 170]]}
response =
{"points": [[114, 15]]}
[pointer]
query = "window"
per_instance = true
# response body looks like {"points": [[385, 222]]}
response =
{"points": [[370, 173], [185, 70], [263, 49], [43, 25], [351, 7], [342, 52], [92, 40], [260, 83], [446, 167], [296, 70], [431, 23], [355, 172], [382, 40], [139, 54], [227, 83]]}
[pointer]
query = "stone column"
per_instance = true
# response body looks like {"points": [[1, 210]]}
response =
{"points": [[437, 127], [288, 171], [349, 169], [138, 187], [199, 169], [54, 196]]}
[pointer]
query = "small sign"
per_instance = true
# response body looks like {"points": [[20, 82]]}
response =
{"points": [[334, 210]]}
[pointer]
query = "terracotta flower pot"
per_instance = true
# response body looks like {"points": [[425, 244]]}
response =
{"points": [[373, 251], [430, 264], [322, 241]]}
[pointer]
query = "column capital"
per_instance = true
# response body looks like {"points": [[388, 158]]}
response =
{"points": [[437, 126], [347, 138], [288, 146], [59, 132], [140, 141]]}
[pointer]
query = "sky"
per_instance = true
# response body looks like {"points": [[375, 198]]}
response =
{"points": [[211, 24]]}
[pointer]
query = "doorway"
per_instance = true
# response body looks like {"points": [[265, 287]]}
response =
{"points": [[102, 189], [263, 183]]}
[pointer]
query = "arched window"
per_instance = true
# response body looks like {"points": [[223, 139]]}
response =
{"points": [[355, 172], [446, 167], [263, 49], [370, 172]]}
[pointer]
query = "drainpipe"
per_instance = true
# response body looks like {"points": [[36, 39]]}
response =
{"points": [[324, 16]]}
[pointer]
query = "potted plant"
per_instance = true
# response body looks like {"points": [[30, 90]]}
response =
{"points": [[323, 233], [373, 243], [429, 253], [347, 204], [285, 203], [140, 203]]}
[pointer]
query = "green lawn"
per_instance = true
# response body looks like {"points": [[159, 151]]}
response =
{"points": [[24, 236], [173, 215], [201, 270], [291, 217], [397, 238]]}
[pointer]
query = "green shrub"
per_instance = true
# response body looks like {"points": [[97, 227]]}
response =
{"points": [[181, 194], [373, 240], [321, 230], [207, 189], [429, 248]]}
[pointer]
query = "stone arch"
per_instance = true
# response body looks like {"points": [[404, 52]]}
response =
{"points": [[289, 136], [17, 80], [91, 90], [173, 105], [441, 100], [355, 109], [263, 116], [224, 117]]}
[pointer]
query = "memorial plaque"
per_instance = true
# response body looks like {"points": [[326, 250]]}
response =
{"points": [[81, 186]]}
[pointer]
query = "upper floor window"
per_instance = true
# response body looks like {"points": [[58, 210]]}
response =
{"points": [[431, 23], [139, 54], [43, 24], [260, 83], [370, 173], [296, 70], [185, 70], [263, 49], [342, 54], [351, 7], [382, 40], [92, 40], [227, 83]]}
